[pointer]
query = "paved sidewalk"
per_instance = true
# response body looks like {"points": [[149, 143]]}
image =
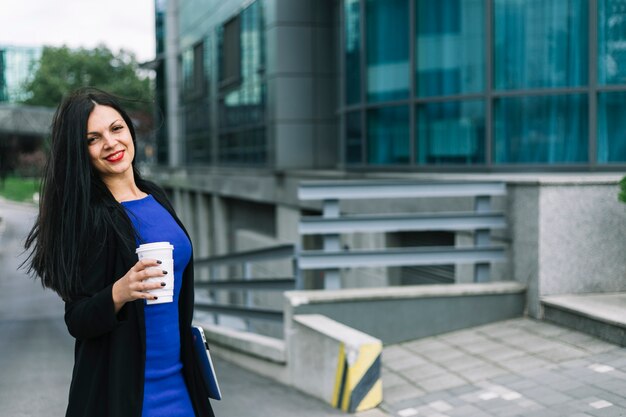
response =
{"points": [[518, 367]]}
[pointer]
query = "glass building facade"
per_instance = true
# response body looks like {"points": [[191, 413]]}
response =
{"points": [[483, 83], [16, 68], [223, 87], [418, 85]]}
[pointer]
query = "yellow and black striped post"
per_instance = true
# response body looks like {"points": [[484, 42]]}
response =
{"points": [[358, 384]]}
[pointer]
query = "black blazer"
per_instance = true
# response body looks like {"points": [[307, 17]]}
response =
{"points": [[110, 350]]}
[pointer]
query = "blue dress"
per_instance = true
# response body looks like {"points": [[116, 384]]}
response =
{"points": [[165, 392]]}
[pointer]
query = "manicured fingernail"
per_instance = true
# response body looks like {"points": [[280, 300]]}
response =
{"points": [[164, 272], [156, 298], [159, 262], [163, 284]]}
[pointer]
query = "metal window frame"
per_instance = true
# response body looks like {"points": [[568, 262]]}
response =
{"points": [[489, 96]]}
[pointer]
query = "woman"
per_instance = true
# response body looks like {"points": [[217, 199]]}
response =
{"points": [[131, 359]]}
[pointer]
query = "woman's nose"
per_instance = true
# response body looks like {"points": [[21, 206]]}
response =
{"points": [[109, 140]]}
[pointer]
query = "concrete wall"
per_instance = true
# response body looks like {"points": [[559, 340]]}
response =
{"points": [[397, 314], [565, 232], [567, 237]]}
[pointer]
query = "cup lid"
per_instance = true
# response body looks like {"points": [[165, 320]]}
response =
{"points": [[153, 246]]}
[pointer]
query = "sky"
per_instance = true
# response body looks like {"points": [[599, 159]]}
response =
{"points": [[127, 24]]}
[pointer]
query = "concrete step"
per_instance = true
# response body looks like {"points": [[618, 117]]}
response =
{"points": [[602, 315]]}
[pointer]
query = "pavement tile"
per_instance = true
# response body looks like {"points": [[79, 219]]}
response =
{"points": [[435, 396], [583, 373], [444, 354], [501, 333], [567, 385], [547, 377], [572, 407], [483, 372], [423, 371], [576, 363], [521, 384], [493, 404], [546, 396], [542, 413], [375, 412], [610, 356], [399, 393], [425, 345], [524, 363], [468, 411], [561, 353], [578, 338], [618, 374], [440, 382], [404, 363], [480, 346], [530, 343], [391, 379], [466, 362], [518, 367], [546, 329], [620, 370], [461, 337], [616, 396], [507, 379], [501, 353], [598, 346], [464, 389], [395, 352], [612, 411]]}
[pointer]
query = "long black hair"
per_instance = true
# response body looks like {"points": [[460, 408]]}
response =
{"points": [[76, 209]]}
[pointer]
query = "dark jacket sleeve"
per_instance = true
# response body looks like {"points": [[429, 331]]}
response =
{"points": [[91, 313]]}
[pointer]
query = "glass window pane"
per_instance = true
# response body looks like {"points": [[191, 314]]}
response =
{"points": [[611, 127], [352, 75], [387, 49], [611, 42], [540, 43], [241, 111], [354, 138], [550, 129], [388, 135], [449, 43], [451, 133]]}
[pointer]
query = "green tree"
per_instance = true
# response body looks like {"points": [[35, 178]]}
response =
{"points": [[622, 194], [61, 70]]}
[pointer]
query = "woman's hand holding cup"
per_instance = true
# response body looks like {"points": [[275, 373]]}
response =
{"points": [[136, 283]]}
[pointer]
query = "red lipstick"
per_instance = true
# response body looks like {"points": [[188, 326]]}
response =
{"points": [[117, 156]]}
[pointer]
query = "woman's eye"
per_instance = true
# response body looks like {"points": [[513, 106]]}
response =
{"points": [[91, 139], [116, 128]]}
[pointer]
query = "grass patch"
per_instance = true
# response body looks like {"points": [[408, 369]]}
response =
{"points": [[19, 189]]}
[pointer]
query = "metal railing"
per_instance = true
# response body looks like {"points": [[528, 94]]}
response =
{"points": [[332, 224], [334, 257], [244, 261]]}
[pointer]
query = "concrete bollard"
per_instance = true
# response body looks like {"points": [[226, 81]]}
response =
{"points": [[335, 363]]}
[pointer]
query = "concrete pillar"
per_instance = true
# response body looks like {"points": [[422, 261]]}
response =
{"points": [[178, 203], [203, 224], [219, 225], [203, 236], [186, 213], [287, 220], [300, 61], [172, 78]]}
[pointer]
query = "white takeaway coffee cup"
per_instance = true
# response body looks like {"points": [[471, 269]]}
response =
{"points": [[164, 252]]}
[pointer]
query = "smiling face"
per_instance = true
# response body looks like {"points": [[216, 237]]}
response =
{"points": [[110, 143]]}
